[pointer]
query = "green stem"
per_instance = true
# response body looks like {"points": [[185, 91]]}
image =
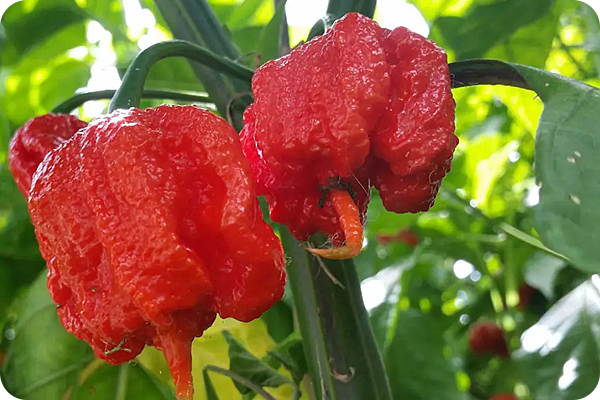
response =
{"points": [[321, 26], [130, 93], [307, 310], [196, 22], [344, 360], [485, 72], [122, 382], [340, 7], [80, 98]]}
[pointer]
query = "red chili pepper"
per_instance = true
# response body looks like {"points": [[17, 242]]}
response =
{"points": [[504, 396], [526, 292], [150, 225], [34, 140], [360, 106], [405, 236], [487, 338]]}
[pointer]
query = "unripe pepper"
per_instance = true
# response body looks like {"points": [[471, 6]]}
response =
{"points": [[150, 226], [360, 106]]}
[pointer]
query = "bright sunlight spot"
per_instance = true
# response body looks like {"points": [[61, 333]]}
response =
{"points": [[463, 269], [302, 15], [569, 374]]}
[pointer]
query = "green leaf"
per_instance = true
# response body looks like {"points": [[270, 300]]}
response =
{"points": [[110, 14], [243, 363], [533, 241], [531, 44], [540, 272], [243, 13], [567, 215], [290, 354], [270, 37], [124, 382], [487, 25], [43, 360], [45, 75], [25, 28], [211, 393], [46, 362], [566, 167], [380, 317], [173, 74], [247, 40], [563, 348], [279, 320], [415, 361]]}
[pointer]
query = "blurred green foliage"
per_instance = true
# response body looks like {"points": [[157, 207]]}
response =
{"points": [[466, 267]]}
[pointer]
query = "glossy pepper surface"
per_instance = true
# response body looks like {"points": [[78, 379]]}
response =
{"points": [[31, 142], [360, 106], [150, 226]]}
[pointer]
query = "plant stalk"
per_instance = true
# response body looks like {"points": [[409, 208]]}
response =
{"points": [[129, 93], [81, 98], [343, 358]]}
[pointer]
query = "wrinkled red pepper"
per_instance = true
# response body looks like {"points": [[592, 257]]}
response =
{"points": [[150, 226], [34, 140], [360, 106]]}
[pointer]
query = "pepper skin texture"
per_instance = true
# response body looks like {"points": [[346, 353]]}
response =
{"points": [[150, 226], [360, 106], [487, 338], [31, 142]]}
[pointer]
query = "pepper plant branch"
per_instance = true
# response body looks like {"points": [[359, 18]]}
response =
{"points": [[130, 92], [307, 311], [485, 72], [80, 98], [196, 22], [343, 358]]}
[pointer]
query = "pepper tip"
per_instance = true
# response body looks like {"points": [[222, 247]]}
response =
{"points": [[337, 253]]}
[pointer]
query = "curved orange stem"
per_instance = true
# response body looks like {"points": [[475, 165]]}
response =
{"points": [[351, 226]]}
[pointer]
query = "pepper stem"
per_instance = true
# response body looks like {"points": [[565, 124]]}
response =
{"points": [[347, 212], [130, 93], [81, 98]]}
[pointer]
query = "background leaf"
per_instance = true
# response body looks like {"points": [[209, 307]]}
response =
{"points": [[46, 362], [247, 365], [563, 347], [420, 371], [486, 25]]}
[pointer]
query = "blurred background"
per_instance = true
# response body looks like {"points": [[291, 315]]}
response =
{"points": [[426, 277]]}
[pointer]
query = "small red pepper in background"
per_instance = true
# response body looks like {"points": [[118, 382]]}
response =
{"points": [[34, 140], [526, 292], [360, 106], [150, 226], [405, 236], [487, 338], [504, 396]]}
